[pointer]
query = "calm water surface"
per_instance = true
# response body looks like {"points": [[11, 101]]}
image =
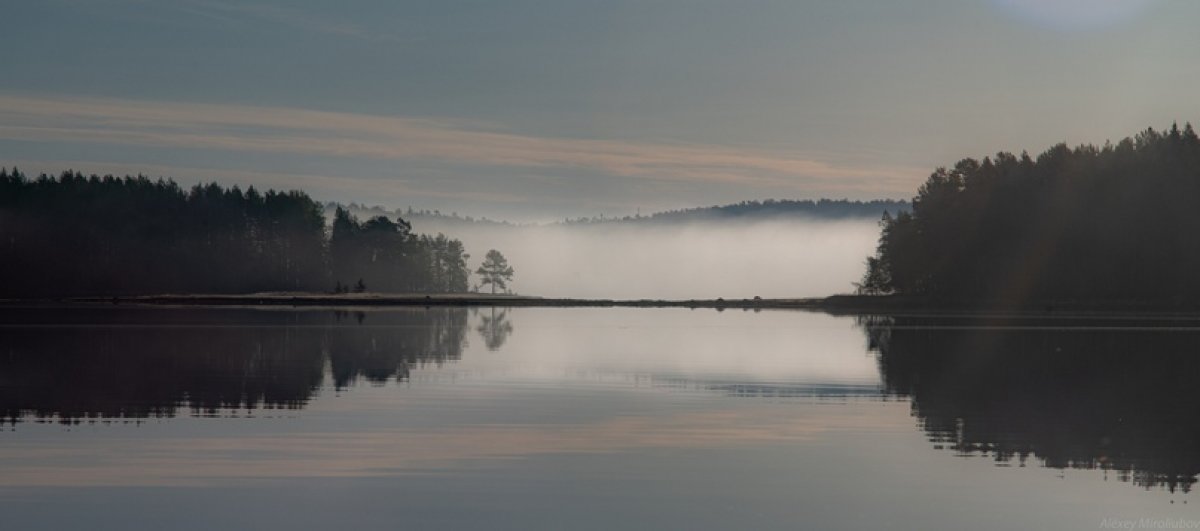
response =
{"points": [[128, 418]]}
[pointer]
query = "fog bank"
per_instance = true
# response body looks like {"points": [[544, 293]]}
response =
{"points": [[739, 259]]}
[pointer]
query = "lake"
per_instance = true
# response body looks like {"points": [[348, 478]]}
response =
{"points": [[593, 418]]}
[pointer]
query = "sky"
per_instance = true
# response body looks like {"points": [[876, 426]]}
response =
{"points": [[536, 110]]}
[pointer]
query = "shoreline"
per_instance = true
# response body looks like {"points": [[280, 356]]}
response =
{"points": [[834, 305], [440, 299]]}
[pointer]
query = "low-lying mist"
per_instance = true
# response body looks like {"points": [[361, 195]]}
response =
{"points": [[734, 260]]}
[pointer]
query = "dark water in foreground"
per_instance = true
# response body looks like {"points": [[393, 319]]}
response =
{"points": [[124, 418]]}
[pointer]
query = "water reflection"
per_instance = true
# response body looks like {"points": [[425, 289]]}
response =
{"points": [[495, 328], [71, 365], [1071, 394], [1074, 393]]}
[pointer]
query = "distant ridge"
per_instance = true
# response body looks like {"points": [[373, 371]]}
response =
{"points": [[411, 214], [768, 209]]}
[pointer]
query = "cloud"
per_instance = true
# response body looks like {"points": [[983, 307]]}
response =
{"points": [[279, 130]]}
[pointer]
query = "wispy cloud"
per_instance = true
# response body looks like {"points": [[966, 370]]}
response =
{"points": [[299, 131]]}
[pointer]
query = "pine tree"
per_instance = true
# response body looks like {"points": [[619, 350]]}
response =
{"points": [[495, 271]]}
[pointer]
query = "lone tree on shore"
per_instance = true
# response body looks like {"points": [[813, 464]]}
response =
{"points": [[495, 271]]}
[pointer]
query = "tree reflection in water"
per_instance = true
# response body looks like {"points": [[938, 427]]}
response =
{"points": [[1072, 393], [495, 328], [96, 365], [1069, 393]]}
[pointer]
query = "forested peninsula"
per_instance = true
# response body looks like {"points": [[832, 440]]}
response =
{"points": [[1111, 224], [76, 235]]}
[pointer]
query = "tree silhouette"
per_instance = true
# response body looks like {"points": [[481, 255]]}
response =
{"points": [[73, 235], [495, 270], [1091, 223]]}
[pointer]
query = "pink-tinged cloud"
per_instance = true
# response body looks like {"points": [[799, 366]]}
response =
{"points": [[300, 131]]}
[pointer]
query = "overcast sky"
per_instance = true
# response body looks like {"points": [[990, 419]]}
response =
{"points": [[541, 109]]}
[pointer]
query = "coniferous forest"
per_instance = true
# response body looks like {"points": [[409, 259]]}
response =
{"points": [[1116, 223], [90, 235]]}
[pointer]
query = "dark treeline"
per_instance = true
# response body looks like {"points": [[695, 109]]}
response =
{"points": [[197, 361], [763, 210], [1116, 222], [1076, 396], [391, 258], [77, 235]]}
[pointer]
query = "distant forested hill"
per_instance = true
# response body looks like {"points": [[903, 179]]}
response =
{"points": [[437, 217], [746, 210], [1112, 222], [766, 210]]}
